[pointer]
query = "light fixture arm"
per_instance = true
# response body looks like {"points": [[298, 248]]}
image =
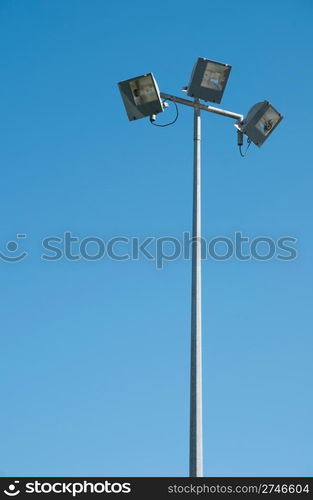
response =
{"points": [[204, 107]]}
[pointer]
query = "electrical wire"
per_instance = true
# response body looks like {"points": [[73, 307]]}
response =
{"points": [[240, 150], [167, 124]]}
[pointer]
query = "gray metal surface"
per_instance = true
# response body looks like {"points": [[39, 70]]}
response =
{"points": [[198, 89], [196, 439], [249, 125], [204, 107], [135, 106]]}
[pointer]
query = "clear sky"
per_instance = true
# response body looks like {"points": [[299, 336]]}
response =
{"points": [[94, 358]]}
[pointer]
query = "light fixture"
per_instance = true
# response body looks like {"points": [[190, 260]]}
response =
{"points": [[260, 122], [208, 80], [141, 96]]}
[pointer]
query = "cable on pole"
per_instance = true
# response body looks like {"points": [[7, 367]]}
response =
{"points": [[153, 118]]}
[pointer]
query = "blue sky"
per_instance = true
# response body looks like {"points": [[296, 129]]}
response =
{"points": [[94, 359]]}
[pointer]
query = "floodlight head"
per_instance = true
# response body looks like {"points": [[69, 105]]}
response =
{"points": [[260, 122], [208, 80], [141, 96]]}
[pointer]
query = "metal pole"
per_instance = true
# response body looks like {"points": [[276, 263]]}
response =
{"points": [[196, 446], [204, 107]]}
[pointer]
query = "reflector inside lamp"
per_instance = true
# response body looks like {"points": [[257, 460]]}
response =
{"points": [[214, 76], [268, 121], [143, 90]]}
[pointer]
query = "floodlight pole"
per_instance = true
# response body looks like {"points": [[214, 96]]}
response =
{"points": [[196, 433], [151, 105], [196, 439]]}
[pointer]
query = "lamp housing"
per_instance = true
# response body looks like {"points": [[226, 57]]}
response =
{"points": [[208, 80], [260, 122], [141, 96]]}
